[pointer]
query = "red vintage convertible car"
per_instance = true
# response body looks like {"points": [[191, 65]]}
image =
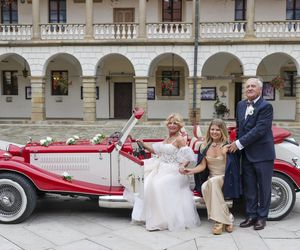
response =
{"points": [[101, 168]]}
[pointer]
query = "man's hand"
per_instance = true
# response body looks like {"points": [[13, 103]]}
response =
{"points": [[232, 147]]}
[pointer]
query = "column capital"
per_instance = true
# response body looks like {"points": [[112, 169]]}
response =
{"points": [[141, 78]]}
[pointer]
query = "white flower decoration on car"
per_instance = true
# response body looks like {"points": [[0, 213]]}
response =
{"points": [[97, 138], [46, 142], [67, 176], [71, 141]]}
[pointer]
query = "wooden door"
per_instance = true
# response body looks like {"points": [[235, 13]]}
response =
{"points": [[238, 95], [122, 100]]}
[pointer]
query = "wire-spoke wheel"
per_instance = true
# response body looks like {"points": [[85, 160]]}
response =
{"points": [[17, 198], [283, 197]]}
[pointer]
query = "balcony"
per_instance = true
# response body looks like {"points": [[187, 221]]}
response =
{"points": [[164, 31], [15, 32]]}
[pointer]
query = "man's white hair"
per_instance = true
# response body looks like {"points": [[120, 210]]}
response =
{"points": [[257, 80]]}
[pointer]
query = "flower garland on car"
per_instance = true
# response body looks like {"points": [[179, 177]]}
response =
{"points": [[46, 142], [97, 138], [66, 176], [72, 140]]}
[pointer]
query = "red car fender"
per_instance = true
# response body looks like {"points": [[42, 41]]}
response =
{"points": [[50, 182], [288, 170]]}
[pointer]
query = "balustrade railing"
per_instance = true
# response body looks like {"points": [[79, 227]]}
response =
{"points": [[221, 30], [169, 30], [277, 29], [123, 31], [116, 31], [62, 31], [16, 32]]}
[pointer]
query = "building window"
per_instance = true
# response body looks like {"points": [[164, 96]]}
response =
{"points": [[289, 83], [171, 10], [57, 11], [9, 12], [240, 10], [292, 9], [170, 83], [10, 82], [59, 83]]}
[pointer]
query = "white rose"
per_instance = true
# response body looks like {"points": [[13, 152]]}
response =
{"points": [[49, 139], [43, 142], [76, 137]]}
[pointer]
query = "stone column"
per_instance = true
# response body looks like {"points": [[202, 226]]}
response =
{"points": [[89, 98], [142, 18], [194, 114], [38, 102], [141, 84], [36, 20], [297, 116], [250, 19], [89, 19]]}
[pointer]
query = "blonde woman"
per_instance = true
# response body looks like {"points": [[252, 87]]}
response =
{"points": [[168, 201], [216, 159]]}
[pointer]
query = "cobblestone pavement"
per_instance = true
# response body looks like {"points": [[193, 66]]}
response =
{"points": [[65, 223]]}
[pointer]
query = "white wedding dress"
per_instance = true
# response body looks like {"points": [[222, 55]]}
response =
{"points": [[168, 200]]}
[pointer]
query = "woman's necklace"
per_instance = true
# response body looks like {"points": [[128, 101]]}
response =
{"points": [[214, 144]]}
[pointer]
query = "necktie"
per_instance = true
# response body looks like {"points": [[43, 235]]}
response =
{"points": [[250, 103]]}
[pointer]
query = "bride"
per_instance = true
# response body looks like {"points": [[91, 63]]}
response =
{"points": [[168, 201]]}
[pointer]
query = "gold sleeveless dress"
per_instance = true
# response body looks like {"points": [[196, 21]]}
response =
{"points": [[217, 209]]}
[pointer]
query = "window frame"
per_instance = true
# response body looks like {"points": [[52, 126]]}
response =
{"points": [[173, 9], [10, 11], [58, 10], [55, 92], [158, 85], [13, 89], [293, 10], [243, 10], [292, 86]]}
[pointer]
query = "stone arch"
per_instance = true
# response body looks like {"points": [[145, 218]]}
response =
{"points": [[15, 86], [63, 86], [115, 76]]}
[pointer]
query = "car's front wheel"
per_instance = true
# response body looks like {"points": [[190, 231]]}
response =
{"points": [[17, 198], [283, 197]]}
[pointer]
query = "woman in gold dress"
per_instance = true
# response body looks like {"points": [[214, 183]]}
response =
{"points": [[212, 190]]}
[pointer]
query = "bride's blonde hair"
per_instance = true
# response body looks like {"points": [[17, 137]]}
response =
{"points": [[176, 118]]}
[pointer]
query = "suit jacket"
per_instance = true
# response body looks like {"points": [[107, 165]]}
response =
{"points": [[255, 132]]}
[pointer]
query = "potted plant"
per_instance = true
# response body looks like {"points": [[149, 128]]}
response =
{"points": [[277, 83], [220, 109]]}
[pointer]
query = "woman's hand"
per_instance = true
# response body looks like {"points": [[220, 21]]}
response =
{"points": [[185, 171]]}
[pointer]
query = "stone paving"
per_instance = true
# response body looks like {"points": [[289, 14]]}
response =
{"points": [[65, 223]]}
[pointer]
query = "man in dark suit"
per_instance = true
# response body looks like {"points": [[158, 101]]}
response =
{"points": [[255, 140]]}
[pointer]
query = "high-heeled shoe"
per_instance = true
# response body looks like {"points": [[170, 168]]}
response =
{"points": [[229, 228], [218, 228]]}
